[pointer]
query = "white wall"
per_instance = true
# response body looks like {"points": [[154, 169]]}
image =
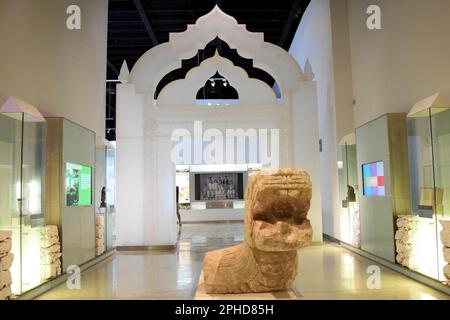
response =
{"points": [[384, 70], [62, 72], [129, 170], [342, 68], [313, 41], [405, 61], [305, 137]]}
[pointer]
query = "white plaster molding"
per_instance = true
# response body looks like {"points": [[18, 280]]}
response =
{"points": [[184, 91], [153, 65], [124, 72], [308, 71], [145, 125]]}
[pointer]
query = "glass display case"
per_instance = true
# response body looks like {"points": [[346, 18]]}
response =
{"points": [[105, 197], [22, 163], [429, 162], [349, 192]]}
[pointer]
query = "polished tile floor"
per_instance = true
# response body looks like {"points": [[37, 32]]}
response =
{"points": [[325, 272]]}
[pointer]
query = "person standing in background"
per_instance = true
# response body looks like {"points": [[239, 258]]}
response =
{"points": [[178, 205]]}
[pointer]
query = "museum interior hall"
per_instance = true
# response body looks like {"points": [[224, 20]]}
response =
{"points": [[207, 150]]}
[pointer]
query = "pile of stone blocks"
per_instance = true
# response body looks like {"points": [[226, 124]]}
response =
{"points": [[99, 234], [50, 252], [356, 229], [445, 239], [6, 259], [403, 239]]}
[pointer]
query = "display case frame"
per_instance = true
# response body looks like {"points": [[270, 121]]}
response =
{"points": [[429, 165], [22, 185]]}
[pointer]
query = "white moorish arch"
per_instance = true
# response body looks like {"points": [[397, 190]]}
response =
{"points": [[145, 173], [161, 59], [183, 92]]}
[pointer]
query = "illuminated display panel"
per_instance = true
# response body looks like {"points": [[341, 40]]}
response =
{"points": [[373, 179], [78, 185]]}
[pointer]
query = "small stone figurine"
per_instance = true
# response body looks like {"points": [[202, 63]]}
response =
{"points": [[276, 226], [103, 198]]}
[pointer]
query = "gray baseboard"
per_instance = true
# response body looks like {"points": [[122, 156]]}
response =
{"points": [[147, 248]]}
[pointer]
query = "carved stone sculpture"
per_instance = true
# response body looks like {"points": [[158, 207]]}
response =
{"points": [[6, 260], [50, 252], [445, 238], [406, 226], [103, 198], [277, 203]]}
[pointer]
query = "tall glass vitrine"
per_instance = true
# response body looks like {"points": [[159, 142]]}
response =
{"points": [[429, 158], [349, 192], [22, 163]]}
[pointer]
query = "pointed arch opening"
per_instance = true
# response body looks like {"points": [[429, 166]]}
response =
{"points": [[225, 51]]}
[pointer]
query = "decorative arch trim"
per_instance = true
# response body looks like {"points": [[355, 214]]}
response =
{"points": [[183, 91], [153, 65]]}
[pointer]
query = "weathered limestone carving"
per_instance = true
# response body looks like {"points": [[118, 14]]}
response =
{"points": [[445, 239], [406, 224], [6, 260], [99, 234], [50, 252], [277, 204]]}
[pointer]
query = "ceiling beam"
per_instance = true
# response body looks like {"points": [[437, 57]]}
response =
{"points": [[144, 18], [113, 68], [287, 27]]}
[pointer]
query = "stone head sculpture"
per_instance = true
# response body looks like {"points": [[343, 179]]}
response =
{"points": [[276, 226]]}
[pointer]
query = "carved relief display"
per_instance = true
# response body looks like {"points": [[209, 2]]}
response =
{"points": [[6, 260], [276, 226], [445, 239]]}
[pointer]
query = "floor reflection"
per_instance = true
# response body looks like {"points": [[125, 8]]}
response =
{"points": [[153, 274], [325, 272]]}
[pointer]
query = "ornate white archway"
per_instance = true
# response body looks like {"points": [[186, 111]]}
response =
{"points": [[145, 173]]}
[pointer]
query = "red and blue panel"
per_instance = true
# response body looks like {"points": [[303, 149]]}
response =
{"points": [[373, 177]]}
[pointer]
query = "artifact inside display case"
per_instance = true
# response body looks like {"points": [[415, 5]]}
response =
{"points": [[429, 165], [276, 226], [445, 240], [6, 260], [50, 252]]}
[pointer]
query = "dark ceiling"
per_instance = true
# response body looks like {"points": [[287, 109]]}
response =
{"points": [[135, 26]]}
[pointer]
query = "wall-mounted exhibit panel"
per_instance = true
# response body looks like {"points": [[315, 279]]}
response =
{"points": [[429, 164], [22, 159], [70, 168], [384, 180], [350, 229]]}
